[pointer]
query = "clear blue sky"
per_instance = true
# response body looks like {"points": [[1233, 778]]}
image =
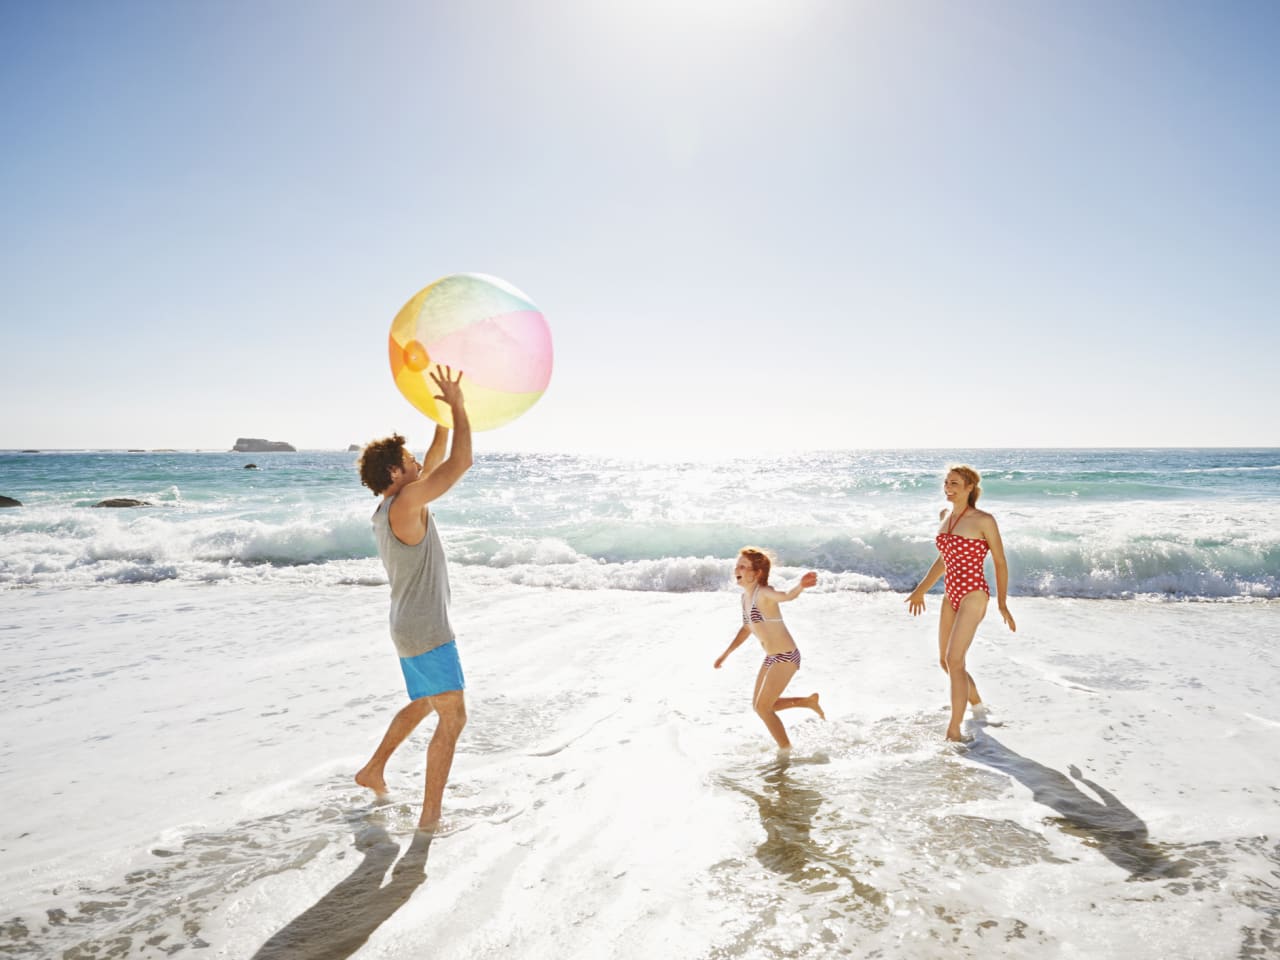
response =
{"points": [[752, 225]]}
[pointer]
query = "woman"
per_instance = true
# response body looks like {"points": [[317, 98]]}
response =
{"points": [[965, 536], [761, 616]]}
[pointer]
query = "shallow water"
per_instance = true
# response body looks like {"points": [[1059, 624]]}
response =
{"points": [[614, 796]]}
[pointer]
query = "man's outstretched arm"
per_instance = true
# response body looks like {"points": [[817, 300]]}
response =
{"points": [[428, 486], [435, 453]]}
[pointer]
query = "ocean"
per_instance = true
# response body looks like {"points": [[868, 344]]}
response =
{"points": [[1179, 524], [187, 688]]}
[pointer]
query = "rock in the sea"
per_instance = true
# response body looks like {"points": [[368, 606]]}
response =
{"points": [[123, 502], [254, 445], [9, 502], [251, 466], [354, 448]]}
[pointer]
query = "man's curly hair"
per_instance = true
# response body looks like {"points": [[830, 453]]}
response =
{"points": [[376, 461]]}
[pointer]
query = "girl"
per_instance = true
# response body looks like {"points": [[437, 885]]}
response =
{"points": [[963, 539], [760, 615]]}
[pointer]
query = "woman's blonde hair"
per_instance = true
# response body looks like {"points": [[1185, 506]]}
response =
{"points": [[760, 561], [969, 475]]}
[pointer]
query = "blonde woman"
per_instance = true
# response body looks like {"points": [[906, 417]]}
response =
{"points": [[965, 536], [761, 616]]}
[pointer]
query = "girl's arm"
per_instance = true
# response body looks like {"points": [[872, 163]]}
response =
{"points": [[733, 645], [810, 579], [992, 533], [915, 602]]}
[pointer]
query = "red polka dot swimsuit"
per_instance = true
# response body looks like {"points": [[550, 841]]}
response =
{"points": [[964, 557]]}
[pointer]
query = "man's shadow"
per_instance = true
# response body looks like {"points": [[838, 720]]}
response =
{"points": [[1108, 825], [344, 918]]}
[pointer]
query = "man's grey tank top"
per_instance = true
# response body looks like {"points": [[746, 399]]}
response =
{"points": [[419, 586]]}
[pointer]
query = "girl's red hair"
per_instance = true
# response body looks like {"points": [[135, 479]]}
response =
{"points": [[760, 562]]}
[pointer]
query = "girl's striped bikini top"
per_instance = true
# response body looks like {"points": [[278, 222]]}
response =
{"points": [[754, 615]]}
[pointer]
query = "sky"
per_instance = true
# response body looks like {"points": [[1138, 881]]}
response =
{"points": [[752, 226]]}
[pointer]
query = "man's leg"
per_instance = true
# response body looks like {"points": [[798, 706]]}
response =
{"points": [[371, 775], [451, 708]]}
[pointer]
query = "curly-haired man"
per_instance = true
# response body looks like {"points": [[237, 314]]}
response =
{"points": [[413, 556]]}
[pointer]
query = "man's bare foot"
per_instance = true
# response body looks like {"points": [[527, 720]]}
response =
{"points": [[811, 701], [371, 778]]}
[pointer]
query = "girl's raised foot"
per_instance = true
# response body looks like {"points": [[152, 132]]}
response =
{"points": [[371, 778]]}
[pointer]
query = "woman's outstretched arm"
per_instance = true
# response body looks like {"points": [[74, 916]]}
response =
{"points": [[915, 602]]}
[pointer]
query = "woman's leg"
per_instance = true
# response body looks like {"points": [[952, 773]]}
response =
{"points": [[772, 680], [946, 621], [964, 625], [974, 698]]}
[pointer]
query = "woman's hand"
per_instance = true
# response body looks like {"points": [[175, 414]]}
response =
{"points": [[915, 602], [1008, 618], [720, 660], [810, 579]]}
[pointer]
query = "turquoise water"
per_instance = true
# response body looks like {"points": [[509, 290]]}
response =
{"points": [[1085, 523]]}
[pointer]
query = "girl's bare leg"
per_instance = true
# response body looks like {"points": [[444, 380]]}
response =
{"points": [[964, 625], [769, 686], [811, 701]]}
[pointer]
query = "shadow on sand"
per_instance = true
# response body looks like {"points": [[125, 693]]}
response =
{"points": [[786, 810], [344, 918], [786, 813], [1107, 825]]}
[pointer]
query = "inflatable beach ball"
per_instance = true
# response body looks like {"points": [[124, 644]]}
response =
{"points": [[482, 326]]}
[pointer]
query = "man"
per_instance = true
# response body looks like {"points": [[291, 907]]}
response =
{"points": [[414, 560]]}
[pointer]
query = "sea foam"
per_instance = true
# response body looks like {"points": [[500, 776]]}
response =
{"points": [[1085, 524]]}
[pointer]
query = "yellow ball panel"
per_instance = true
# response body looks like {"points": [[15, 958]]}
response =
{"points": [[420, 391], [486, 409]]}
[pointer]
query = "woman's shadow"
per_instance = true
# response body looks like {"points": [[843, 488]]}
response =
{"points": [[1108, 825], [338, 924]]}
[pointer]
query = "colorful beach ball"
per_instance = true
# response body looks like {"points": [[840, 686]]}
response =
{"points": [[482, 326]]}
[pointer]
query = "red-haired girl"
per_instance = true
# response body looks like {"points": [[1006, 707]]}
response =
{"points": [[761, 616]]}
